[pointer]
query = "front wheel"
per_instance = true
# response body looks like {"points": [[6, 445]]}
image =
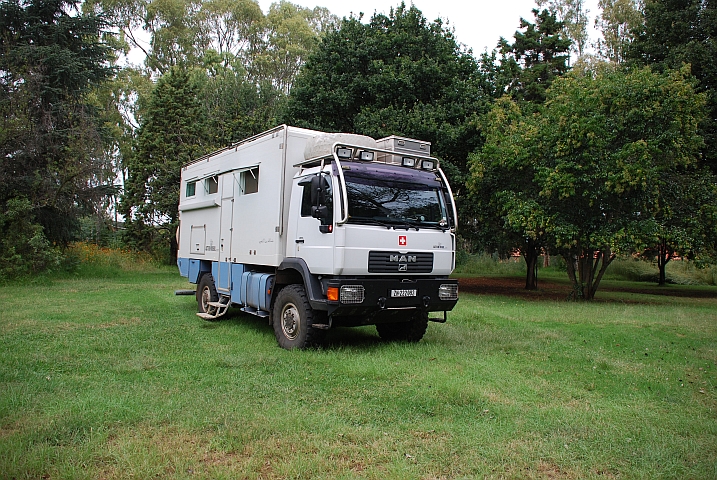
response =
{"points": [[206, 293], [292, 318], [411, 331]]}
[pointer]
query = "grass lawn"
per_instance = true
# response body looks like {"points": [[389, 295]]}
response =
{"points": [[111, 376]]}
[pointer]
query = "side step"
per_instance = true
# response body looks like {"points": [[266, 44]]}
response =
{"points": [[255, 311], [220, 307], [439, 320]]}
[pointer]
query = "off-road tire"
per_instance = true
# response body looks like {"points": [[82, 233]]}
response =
{"points": [[207, 292], [411, 331], [293, 317]]}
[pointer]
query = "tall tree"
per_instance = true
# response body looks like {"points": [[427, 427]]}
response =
{"points": [[398, 74], [290, 33], [574, 17], [51, 138], [684, 31], [686, 219], [598, 155], [172, 133], [620, 21], [538, 55]]}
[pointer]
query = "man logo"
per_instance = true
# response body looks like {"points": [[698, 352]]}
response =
{"points": [[403, 258], [403, 261]]}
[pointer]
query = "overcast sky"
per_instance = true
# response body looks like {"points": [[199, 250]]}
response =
{"points": [[478, 23]]}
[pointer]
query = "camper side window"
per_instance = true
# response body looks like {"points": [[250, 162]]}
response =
{"points": [[191, 189], [211, 185], [250, 180]]}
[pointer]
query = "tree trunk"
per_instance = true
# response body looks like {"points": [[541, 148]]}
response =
{"points": [[664, 254], [530, 254], [585, 271]]}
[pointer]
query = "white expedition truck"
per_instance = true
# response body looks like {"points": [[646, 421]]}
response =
{"points": [[314, 230]]}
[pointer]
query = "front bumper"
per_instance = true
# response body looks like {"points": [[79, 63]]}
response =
{"points": [[368, 297]]}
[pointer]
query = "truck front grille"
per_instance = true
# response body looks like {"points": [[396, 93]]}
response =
{"points": [[395, 262]]}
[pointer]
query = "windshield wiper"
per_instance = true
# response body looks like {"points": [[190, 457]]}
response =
{"points": [[410, 223], [371, 221]]}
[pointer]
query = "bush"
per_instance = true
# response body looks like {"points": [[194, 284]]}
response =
{"points": [[678, 272], [24, 249], [88, 258], [486, 264]]}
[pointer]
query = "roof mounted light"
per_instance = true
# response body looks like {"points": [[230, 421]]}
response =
{"points": [[365, 156], [408, 162], [344, 153], [428, 164]]}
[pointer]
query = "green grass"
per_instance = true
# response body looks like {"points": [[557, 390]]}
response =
{"points": [[109, 375]]}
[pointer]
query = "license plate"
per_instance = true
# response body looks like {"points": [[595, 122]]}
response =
{"points": [[403, 293]]}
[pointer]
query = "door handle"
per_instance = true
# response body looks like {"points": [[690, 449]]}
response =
{"points": [[299, 240]]}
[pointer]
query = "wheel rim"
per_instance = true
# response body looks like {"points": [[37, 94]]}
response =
{"points": [[206, 298], [290, 321]]}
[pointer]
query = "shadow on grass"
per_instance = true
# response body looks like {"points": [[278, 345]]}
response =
{"points": [[363, 338], [556, 291]]}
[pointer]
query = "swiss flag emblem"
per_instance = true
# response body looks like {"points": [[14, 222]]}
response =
{"points": [[402, 242]]}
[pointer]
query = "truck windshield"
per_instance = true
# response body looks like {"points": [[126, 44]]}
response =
{"points": [[395, 197]]}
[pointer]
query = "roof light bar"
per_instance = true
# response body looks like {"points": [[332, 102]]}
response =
{"points": [[408, 162]]}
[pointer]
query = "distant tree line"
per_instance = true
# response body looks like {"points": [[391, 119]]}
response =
{"points": [[551, 145]]}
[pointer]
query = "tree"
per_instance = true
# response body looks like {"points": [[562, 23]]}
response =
{"points": [[538, 55], [574, 17], [503, 187], [52, 140], [290, 33], [620, 22], [597, 155], [678, 32], [528, 67], [686, 219], [172, 133], [396, 75], [235, 108]]}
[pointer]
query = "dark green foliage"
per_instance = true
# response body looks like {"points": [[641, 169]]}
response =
{"points": [[51, 156], [589, 173], [684, 31], [538, 55], [528, 67], [187, 115], [235, 108], [172, 134], [396, 75]]}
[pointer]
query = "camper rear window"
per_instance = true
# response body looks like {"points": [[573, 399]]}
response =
{"points": [[191, 189]]}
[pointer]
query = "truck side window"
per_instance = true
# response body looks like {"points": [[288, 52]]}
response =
{"points": [[211, 185], [191, 189], [250, 180], [306, 201]]}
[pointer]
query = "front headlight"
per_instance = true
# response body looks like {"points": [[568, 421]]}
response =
{"points": [[448, 291], [352, 294]]}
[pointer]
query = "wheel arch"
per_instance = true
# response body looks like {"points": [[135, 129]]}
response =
{"points": [[294, 271]]}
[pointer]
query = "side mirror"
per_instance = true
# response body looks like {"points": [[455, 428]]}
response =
{"points": [[321, 203]]}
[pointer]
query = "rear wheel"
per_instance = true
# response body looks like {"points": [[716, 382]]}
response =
{"points": [[410, 331], [207, 292], [292, 318]]}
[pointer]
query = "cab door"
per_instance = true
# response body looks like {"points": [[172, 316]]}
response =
{"points": [[310, 242]]}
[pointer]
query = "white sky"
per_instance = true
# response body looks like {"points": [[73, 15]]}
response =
{"points": [[478, 23]]}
